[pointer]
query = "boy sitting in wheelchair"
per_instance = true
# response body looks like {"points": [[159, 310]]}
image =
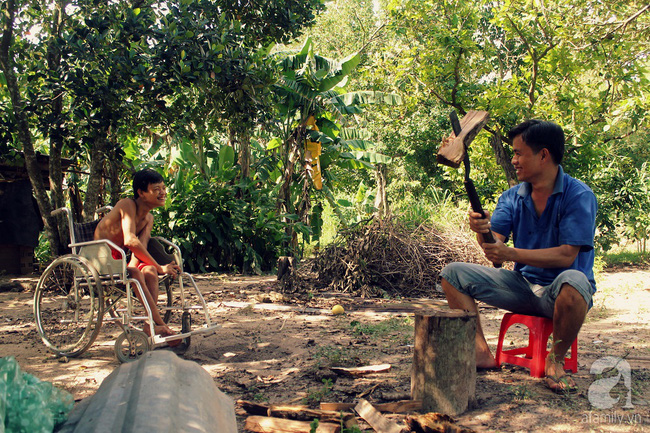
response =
{"points": [[129, 225]]}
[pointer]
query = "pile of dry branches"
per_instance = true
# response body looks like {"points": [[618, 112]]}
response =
{"points": [[386, 258]]}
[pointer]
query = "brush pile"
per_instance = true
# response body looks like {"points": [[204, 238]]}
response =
{"points": [[386, 258]]}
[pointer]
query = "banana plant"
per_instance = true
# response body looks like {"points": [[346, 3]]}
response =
{"points": [[316, 118]]}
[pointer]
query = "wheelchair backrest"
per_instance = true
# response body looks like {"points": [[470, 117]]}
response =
{"points": [[85, 232]]}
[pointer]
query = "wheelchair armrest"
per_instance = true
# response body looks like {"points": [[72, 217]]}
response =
{"points": [[104, 210], [177, 251]]}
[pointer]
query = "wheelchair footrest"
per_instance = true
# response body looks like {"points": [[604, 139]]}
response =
{"points": [[193, 307], [203, 330]]}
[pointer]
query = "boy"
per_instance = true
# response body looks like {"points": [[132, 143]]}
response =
{"points": [[129, 225]]}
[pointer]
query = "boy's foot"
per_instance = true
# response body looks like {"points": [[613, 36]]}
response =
{"points": [[163, 331]]}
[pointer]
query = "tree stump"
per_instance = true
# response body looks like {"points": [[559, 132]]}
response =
{"points": [[444, 361], [285, 273]]}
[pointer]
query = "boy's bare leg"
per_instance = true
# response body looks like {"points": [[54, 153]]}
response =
{"points": [[151, 279], [159, 324], [460, 301]]}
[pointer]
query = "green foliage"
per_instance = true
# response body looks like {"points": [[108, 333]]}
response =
{"points": [[331, 356], [221, 226], [160, 85], [317, 396], [626, 258], [397, 329], [313, 87]]}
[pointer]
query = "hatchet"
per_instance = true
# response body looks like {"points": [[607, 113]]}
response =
{"points": [[454, 150]]}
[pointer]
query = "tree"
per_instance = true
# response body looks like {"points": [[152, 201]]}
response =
{"points": [[314, 109], [579, 65], [19, 107], [110, 70]]}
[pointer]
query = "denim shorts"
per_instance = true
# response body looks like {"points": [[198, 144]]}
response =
{"points": [[509, 290]]}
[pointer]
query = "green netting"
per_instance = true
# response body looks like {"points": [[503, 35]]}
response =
{"points": [[28, 404]]}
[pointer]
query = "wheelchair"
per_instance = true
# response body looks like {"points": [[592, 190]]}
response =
{"points": [[77, 290]]}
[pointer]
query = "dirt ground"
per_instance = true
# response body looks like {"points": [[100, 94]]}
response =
{"points": [[278, 350]]}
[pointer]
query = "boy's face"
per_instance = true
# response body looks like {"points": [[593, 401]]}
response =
{"points": [[155, 194]]}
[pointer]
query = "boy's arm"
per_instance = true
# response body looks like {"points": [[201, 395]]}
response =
{"points": [[138, 245]]}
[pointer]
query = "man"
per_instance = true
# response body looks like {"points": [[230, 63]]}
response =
{"points": [[551, 217], [129, 225]]}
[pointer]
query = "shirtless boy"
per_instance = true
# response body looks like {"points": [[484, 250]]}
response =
{"points": [[129, 225]]}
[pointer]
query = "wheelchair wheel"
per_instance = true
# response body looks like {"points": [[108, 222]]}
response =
{"points": [[131, 345], [68, 305]]}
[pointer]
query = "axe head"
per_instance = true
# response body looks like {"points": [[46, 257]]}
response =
{"points": [[453, 149]]}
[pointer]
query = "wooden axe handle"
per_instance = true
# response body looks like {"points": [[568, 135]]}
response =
{"points": [[474, 200]]}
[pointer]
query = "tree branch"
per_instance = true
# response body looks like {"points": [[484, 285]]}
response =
{"points": [[454, 90], [626, 22]]}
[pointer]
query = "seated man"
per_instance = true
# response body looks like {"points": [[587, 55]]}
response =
{"points": [[129, 225], [551, 217]]}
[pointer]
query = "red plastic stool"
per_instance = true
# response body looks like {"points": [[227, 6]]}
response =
{"points": [[540, 329]]}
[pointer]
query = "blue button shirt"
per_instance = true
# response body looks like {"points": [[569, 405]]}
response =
{"points": [[569, 218]]}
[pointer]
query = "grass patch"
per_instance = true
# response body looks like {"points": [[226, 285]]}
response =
{"points": [[319, 394], [626, 258], [383, 328], [330, 356], [394, 330], [522, 392]]}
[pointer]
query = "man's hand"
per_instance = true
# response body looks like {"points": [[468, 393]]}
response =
{"points": [[172, 269], [477, 223], [497, 252]]}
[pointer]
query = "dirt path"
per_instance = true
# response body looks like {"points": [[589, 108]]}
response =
{"points": [[277, 350]]}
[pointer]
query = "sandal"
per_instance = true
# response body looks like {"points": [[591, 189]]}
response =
{"points": [[561, 385]]}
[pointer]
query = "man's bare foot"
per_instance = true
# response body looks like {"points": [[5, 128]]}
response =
{"points": [[556, 378], [485, 361]]}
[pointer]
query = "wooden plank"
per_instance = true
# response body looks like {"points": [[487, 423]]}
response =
{"points": [[375, 419], [435, 423], [264, 424], [404, 307], [453, 148], [294, 412], [360, 371], [392, 407], [401, 307]]}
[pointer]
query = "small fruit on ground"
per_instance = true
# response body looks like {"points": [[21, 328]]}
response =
{"points": [[337, 309]]}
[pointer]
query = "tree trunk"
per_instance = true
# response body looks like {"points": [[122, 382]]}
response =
{"points": [[444, 361], [381, 202], [113, 169], [284, 205], [93, 192], [24, 135], [242, 143], [56, 129], [503, 160]]}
